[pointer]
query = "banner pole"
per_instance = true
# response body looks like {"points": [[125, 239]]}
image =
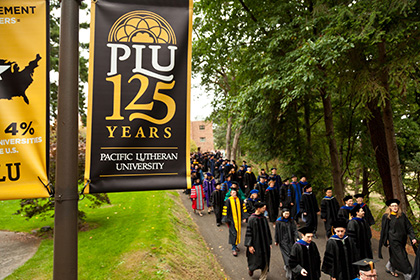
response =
{"points": [[66, 195]]}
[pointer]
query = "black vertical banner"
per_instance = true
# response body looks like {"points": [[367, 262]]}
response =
{"points": [[139, 95]]}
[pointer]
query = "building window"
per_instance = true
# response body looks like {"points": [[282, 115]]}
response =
{"points": [[202, 127], [202, 139]]}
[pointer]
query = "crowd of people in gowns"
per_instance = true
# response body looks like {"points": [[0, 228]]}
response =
{"points": [[236, 196]]}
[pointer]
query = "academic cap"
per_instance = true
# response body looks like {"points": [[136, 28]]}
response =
{"points": [[355, 210], [394, 200], [254, 191], [259, 204], [285, 180], [327, 189], [209, 174], [341, 223], [235, 183], [307, 187], [285, 210], [273, 168], [347, 198], [358, 195], [306, 230], [366, 264], [293, 176]]}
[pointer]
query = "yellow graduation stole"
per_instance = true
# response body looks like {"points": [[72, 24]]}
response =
{"points": [[235, 205]]}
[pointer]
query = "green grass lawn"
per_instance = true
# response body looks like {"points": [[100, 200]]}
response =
{"points": [[142, 235]]}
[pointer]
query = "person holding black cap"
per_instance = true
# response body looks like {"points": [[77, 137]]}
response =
{"points": [[360, 234], [344, 212], [368, 214], [329, 210], [258, 242], [285, 235], [305, 261], [339, 254], [395, 229], [367, 270], [309, 208]]}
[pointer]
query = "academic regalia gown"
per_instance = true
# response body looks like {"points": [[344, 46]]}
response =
{"points": [[197, 196], [287, 196], [368, 214], [258, 235], [249, 204], [344, 213], [249, 180], [272, 201], [329, 212], [394, 233], [209, 187], [277, 179], [416, 269], [285, 235], [305, 256], [309, 205], [261, 188], [338, 259], [217, 199], [360, 234], [298, 195], [233, 214]]}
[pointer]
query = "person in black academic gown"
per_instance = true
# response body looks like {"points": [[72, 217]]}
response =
{"points": [[344, 212], [251, 201], [287, 195], [272, 201], [217, 200], [249, 180], [285, 235], [395, 228], [339, 254], [258, 242], [368, 214], [360, 234], [329, 210], [234, 213], [305, 260], [261, 186], [309, 208], [416, 269]]}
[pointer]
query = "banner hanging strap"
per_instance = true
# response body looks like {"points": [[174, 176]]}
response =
{"points": [[49, 187], [82, 192]]}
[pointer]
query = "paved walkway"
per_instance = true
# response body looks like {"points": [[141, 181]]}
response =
{"points": [[15, 250], [236, 267]]}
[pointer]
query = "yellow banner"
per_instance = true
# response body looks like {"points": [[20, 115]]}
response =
{"points": [[24, 95]]}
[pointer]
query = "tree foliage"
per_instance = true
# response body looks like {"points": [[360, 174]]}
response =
{"points": [[311, 78]]}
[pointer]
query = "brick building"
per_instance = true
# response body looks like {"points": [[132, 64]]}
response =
{"points": [[202, 134]]}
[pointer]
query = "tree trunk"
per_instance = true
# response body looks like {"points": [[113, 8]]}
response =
{"points": [[307, 111], [228, 136], [365, 182], [335, 160], [376, 129], [393, 155], [235, 143]]}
